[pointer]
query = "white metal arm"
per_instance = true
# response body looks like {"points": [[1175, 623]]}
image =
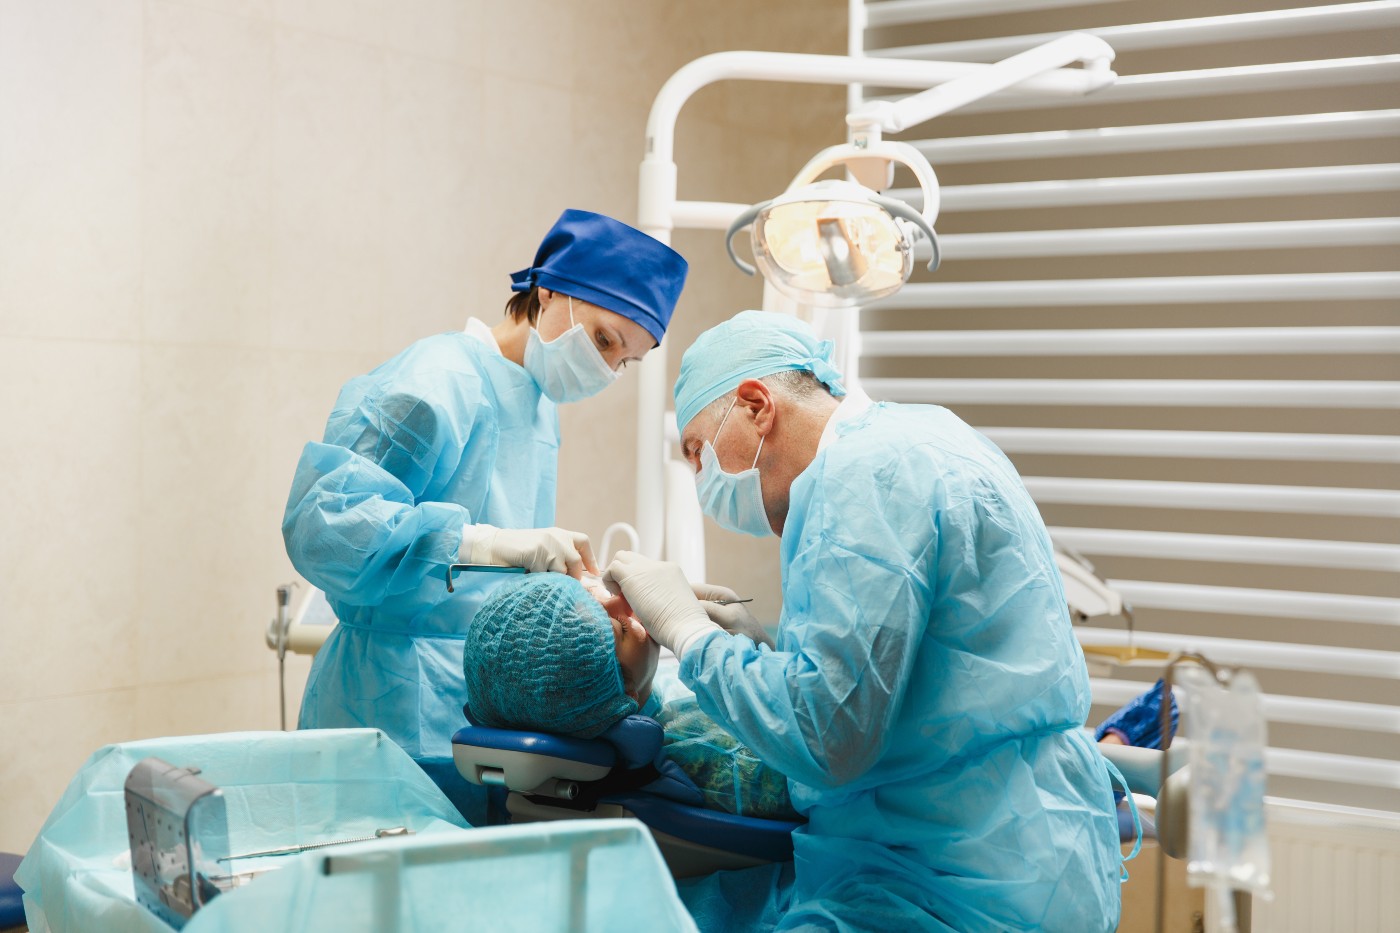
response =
{"points": [[896, 116]]}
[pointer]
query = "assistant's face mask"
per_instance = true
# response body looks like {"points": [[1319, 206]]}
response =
{"points": [[733, 500], [569, 368]]}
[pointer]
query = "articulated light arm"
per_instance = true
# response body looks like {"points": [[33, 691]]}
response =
{"points": [[900, 115]]}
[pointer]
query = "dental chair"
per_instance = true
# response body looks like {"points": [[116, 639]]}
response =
{"points": [[550, 777], [11, 898]]}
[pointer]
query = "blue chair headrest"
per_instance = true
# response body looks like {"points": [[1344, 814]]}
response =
{"points": [[636, 738]]}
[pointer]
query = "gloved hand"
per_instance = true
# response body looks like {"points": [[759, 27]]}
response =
{"points": [[1140, 722], [662, 599], [535, 549], [734, 618]]}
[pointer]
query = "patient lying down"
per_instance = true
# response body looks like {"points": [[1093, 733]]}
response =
{"points": [[543, 654]]}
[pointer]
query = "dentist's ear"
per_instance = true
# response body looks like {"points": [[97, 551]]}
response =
{"points": [[757, 398]]}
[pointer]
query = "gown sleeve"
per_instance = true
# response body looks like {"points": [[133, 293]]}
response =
{"points": [[356, 524], [856, 603]]}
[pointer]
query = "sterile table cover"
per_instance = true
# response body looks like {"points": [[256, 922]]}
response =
{"points": [[316, 785], [280, 787]]}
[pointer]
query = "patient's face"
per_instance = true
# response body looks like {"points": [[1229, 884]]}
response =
{"points": [[636, 652]]}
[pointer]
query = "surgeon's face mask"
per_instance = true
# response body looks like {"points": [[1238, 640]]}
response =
{"points": [[569, 368], [733, 500]]}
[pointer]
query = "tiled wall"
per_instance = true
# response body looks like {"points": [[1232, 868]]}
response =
{"points": [[212, 213]]}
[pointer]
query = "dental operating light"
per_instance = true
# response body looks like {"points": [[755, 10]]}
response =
{"points": [[838, 244], [833, 243]]}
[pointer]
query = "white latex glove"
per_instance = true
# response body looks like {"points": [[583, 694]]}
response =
{"points": [[734, 618], [661, 598], [535, 549]]}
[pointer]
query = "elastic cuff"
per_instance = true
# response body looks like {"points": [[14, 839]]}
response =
{"points": [[693, 637], [1113, 730], [476, 544]]}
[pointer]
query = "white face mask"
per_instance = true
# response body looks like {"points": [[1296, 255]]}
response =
{"points": [[733, 500], [569, 368]]}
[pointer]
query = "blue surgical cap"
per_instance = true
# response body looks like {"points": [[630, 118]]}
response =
{"points": [[605, 262], [540, 656], [750, 345]]}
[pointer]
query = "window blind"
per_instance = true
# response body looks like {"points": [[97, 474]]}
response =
{"points": [[1174, 305]]}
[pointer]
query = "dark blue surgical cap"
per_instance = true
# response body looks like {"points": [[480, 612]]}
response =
{"points": [[605, 262]]}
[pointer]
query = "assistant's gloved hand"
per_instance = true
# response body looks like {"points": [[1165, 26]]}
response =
{"points": [[535, 549], [1140, 722], [660, 595], [734, 618]]}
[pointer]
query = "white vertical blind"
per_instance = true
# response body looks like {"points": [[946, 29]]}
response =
{"points": [[1174, 305]]}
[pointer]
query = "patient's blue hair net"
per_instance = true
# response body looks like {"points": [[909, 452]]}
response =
{"points": [[540, 656], [750, 345]]}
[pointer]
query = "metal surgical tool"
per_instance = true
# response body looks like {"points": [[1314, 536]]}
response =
{"points": [[305, 847], [478, 568]]}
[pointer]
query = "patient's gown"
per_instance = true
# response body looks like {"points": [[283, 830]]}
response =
{"points": [[729, 776]]}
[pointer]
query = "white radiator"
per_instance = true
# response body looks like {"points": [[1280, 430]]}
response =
{"points": [[1334, 870]]}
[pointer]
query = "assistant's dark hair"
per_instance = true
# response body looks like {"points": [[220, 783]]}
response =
{"points": [[525, 305]]}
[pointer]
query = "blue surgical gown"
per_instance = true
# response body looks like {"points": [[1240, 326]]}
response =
{"points": [[925, 699], [447, 433]]}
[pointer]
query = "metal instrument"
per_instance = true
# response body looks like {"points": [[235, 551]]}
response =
{"points": [[308, 846], [477, 568]]}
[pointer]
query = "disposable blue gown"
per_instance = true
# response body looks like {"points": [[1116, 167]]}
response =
{"points": [[447, 433], [925, 700]]}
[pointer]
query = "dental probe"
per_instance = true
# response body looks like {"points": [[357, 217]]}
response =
{"points": [[292, 850]]}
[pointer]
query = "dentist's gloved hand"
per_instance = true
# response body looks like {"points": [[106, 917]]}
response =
{"points": [[662, 599], [734, 618], [535, 549]]}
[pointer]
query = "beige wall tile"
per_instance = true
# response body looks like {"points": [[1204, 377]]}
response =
{"points": [[238, 703], [207, 180], [327, 275], [531, 40], [654, 39], [434, 153], [443, 30], [356, 20], [208, 91], [56, 734], [255, 9], [607, 145], [70, 150], [69, 545], [207, 258], [525, 186], [209, 523]]}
